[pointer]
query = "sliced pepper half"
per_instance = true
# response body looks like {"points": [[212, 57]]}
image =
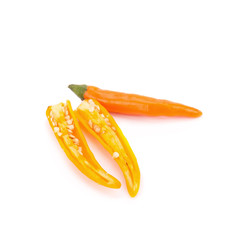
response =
{"points": [[69, 135], [98, 122]]}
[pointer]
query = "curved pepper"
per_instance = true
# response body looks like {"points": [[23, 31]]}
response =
{"points": [[98, 122], [134, 104], [69, 135]]}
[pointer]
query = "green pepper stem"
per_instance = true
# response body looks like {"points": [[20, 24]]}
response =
{"points": [[79, 90]]}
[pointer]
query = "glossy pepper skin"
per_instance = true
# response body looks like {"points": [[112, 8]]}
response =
{"points": [[69, 135], [98, 122], [134, 104]]}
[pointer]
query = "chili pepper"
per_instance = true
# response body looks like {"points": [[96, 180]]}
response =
{"points": [[134, 104], [69, 135], [98, 122]]}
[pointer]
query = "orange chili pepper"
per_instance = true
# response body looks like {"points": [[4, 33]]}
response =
{"points": [[134, 104], [98, 122], [70, 137]]}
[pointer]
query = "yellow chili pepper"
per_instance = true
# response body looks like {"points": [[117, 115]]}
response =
{"points": [[69, 135], [98, 122]]}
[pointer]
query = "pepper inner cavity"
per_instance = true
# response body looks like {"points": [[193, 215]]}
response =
{"points": [[101, 125], [64, 126]]}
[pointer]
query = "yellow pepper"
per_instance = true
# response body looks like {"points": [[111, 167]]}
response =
{"points": [[69, 135], [97, 121]]}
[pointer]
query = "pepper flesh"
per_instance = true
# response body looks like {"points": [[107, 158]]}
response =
{"points": [[134, 104], [70, 137], [98, 122]]}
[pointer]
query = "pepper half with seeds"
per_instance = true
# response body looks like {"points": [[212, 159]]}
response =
{"points": [[98, 122], [69, 135]]}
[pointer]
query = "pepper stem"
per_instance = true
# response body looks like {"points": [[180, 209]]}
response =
{"points": [[79, 90]]}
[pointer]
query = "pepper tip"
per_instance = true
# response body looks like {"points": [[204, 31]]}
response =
{"points": [[198, 113]]}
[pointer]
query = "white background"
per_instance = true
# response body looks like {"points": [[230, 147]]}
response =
{"points": [[184, 51]]}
